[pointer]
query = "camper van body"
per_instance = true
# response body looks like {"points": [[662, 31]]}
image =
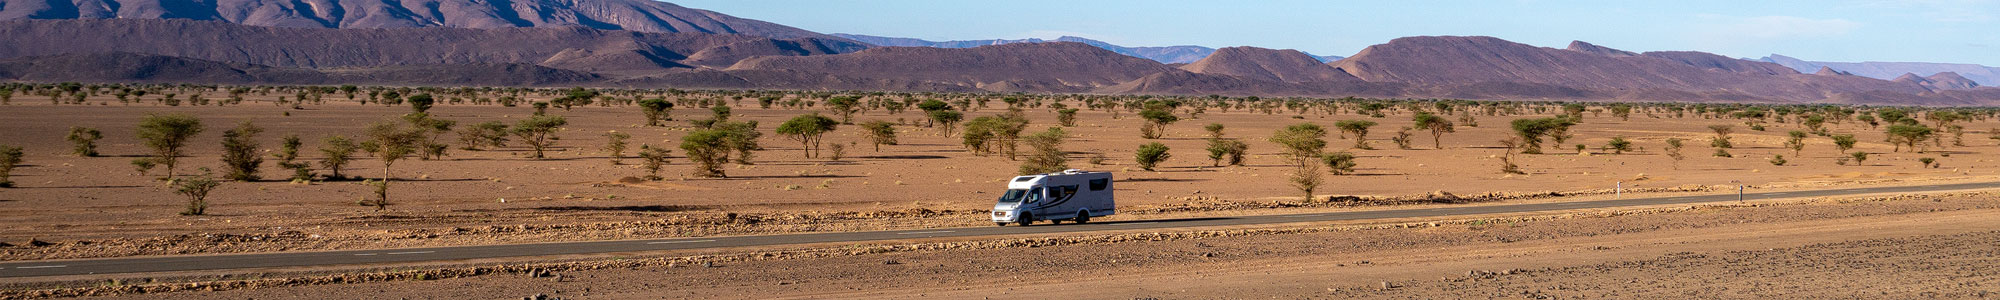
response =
{"points": [[1068, 195]]}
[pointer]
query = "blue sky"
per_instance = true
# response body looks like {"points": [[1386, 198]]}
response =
{"points": [[1960, 31]]}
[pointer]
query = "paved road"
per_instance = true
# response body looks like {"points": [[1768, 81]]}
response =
{"points": [[300, 259]]}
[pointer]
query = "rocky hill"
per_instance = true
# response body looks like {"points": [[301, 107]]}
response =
{"points": [[1268, 65]]}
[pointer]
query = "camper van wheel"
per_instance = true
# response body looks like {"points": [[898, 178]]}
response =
{"points": [[1001, 224], [1027, 219], [1083, 217]]}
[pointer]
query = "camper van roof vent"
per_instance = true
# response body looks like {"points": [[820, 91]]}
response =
{"points": [[1072, 171]]}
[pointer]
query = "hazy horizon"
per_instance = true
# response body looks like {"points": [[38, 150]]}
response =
{"points": [[1945, 31]]}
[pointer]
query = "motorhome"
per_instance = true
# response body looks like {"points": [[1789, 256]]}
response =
{"points": [[1071, 195]]}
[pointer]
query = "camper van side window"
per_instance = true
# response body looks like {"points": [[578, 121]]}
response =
{"points": [[1068, 190], [1099, 184]]}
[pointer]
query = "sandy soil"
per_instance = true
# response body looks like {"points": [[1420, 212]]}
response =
{"points": [[1878, 247], [95, 207]]}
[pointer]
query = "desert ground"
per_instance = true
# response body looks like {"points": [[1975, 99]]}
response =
{"points": [[66, 207]]}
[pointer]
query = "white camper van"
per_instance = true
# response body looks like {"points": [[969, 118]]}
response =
{"points": [[1068, 195]]}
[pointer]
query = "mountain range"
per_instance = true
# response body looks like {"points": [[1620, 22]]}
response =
{"points": [[1166, 55], [1984, 75], [639, 43], [630, 15]]}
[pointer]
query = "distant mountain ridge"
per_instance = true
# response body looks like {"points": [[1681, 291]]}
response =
{"points": [[1166, 55], [570, 48], [1984, 75], [446, 43], [630, 15]]}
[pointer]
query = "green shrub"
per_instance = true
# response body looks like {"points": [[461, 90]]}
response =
{"points": [[85, 141], [1339, 163], [196, 190], [1151, 155], [10, 157]]}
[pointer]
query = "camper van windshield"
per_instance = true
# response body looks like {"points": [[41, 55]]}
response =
{"points": [[1013, 196]]}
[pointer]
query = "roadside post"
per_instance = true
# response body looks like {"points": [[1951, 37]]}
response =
{"points": [[1739, 190]]}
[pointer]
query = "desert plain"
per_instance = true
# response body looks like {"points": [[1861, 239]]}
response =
{"points": [[1914, 245]]}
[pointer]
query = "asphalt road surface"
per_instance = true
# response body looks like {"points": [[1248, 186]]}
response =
{"points": [[407, 255]]}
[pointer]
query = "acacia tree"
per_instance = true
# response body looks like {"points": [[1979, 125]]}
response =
{"points": [[1360, 130], [433, 129], [1003, 131], [419, 103], [1507, 157], [709, 149], [741, 138], [1622, 111], [1618, 145], [1402, 138], [947, 118], [1219, 148], [1339, 163], [808, 129], [1721, 140], [168, 136], [931, 106], [488, 134], [288, 156], [656, 109], [614, 143], [1226, 150], [1157, 119], [1048, 154], [1843, 142], [1911, 135], [1531, 131], [1302, 145], [1674, 151], [1066, 117], [338, 150], [845, 106], [577, 96], [1796, 142], [85, 140], [390, 142], [539, 132], [652, 159], [239, 152], [880, 133], [196, 189], [1438, 126]]}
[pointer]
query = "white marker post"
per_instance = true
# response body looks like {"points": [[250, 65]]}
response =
{"points": [[1739, 190], [1619, 191]]}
